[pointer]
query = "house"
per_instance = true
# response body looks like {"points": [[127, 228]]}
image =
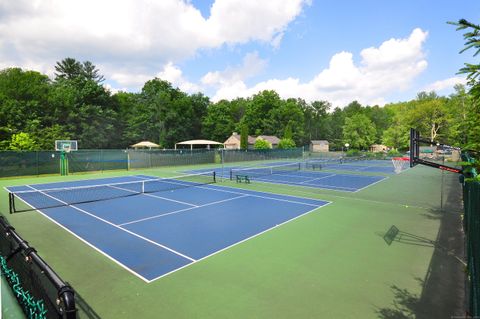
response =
{"points": [[376, 148], [319, 146], [233, 142]]}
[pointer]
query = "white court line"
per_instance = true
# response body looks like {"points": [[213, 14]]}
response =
{"points": [[116, 226], [155, 196], [86, 242], [179, 211], [317, 186], [239, 242], [381, 180], [311, 180], [325, 203], [253, 195]]}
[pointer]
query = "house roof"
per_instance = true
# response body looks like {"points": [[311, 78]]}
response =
{"points": [[251, 139], [319, 142]]}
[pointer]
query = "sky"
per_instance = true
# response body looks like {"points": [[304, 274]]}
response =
{"points": [[371, 51]]}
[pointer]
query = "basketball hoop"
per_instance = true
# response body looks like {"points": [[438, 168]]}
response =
{"points": [[400, 163], [67, 148]]}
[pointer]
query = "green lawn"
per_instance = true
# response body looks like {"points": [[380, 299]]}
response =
{"points": [[331, 263]]}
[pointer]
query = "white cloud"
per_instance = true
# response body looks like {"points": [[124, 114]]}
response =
{"points": [[124, 78], [138, 35], [389, 68], [252, 65], [173, 74], [446, 84], [252, 19]]}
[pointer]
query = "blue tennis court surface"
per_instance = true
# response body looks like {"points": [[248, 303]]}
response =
{"points": [[371, 166], [306, 178], [154, 234]]}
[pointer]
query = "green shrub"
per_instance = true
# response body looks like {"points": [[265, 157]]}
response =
{"points": [[353, 152], [261, 144], [394, 153], [22, 142], [286, 143], [379, 155]]}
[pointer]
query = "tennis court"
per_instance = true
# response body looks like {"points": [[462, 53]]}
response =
{"points": [[295, 174], [369, 166], [151, 226]]}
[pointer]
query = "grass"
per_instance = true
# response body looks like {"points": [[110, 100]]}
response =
{"points": [[332, 263]]}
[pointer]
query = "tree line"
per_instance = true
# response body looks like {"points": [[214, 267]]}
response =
{"points": [[36, 110]]}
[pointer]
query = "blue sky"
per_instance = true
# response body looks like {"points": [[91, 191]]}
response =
{"points": [[373, 51]]}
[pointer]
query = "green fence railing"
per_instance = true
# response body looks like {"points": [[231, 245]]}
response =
{"points": [[471, 203]]}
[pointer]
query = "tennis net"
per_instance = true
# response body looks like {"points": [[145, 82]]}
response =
{"points": [[265, 170], [57, 197], [318, 164]]}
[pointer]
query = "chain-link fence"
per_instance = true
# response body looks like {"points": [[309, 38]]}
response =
{"points": [[232, 156], [24, 163], [471, 200], [159, 158], [28, 163]]}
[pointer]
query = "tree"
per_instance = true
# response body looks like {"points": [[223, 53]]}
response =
{"points": [[261, 144], [24, 97], [381, 117], [87, 112], [428, 114], [288, 131], [396, 137], [22, 142], [90, 72], [458, 106], [68, 69], [316, 124], [258, 112], [218, 123], [353, 108], [286, 143], [359, 131], [71, 69], [286, 113], [166, 115], [244, 137], [472, 40], [199, 104], [335, 122]]}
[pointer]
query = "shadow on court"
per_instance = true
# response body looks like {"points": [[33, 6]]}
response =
{"points": [[443, 288]]}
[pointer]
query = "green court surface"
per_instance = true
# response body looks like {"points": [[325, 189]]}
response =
{"points": [[331, 263]]}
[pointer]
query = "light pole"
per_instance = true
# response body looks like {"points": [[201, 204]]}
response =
{"points": [[346, 146]]}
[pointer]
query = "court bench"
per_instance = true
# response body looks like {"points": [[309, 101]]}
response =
{"points": [[243, 178]]}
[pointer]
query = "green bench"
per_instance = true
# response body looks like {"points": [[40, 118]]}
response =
{"points": [[243, 178]]}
